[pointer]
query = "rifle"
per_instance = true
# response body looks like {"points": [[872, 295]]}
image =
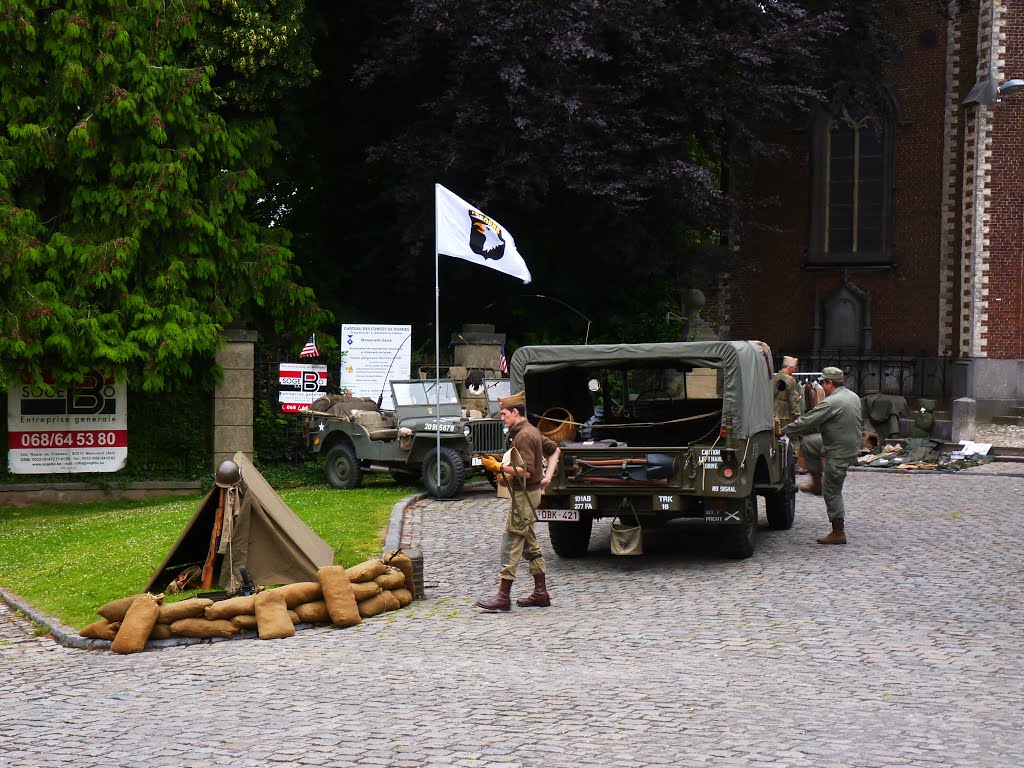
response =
{"points": [[218, 521]]}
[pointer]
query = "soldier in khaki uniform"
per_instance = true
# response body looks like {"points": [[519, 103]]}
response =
{"points": [[838, 421], [789, 399], [526, 480]]}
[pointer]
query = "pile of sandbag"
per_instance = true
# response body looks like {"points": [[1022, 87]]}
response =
{"points": [[340, 596]]}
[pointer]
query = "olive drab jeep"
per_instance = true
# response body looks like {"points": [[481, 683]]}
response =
{"points": [[659, 432], [355, 436]]}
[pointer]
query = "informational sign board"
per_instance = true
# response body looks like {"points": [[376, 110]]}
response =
{"points": [[299, 384], [373, 356], [81, 429]]}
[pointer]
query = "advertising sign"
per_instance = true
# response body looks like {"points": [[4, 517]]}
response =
{"points": [[81, 429], [375, 354], [299, 384]]}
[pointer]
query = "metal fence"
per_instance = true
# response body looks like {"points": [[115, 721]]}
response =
{"points": [[911, 376]]}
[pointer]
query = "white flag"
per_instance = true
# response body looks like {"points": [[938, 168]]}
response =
{"points": [[467, 233]]}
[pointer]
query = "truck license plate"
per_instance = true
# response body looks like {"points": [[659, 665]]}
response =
{"points": [[477, 461], [558, 515]]}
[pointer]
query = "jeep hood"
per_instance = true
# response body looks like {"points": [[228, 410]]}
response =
{"points": [[747, 396]]}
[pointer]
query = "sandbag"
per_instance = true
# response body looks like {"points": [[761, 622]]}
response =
{"points": [[313, 613], [367, 571], [138, 623], [204, 628], [233, 606], [272, 620], [244, 621], [398, 559], [364, 590], [373, 606], [115, 610], [301, 592], [193, 607], [390, 601], [393, 579], [100, 630], [404, 596], [338, 596], [161, 632]]}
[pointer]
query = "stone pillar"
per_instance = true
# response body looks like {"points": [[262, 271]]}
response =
{"points": [[963, 419], [233, 397]]}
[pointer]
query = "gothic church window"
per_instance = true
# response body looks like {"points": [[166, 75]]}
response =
{"points": [[851, 215]]}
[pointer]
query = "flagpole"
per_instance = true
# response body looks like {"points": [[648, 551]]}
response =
{"points": [[437, 347]]}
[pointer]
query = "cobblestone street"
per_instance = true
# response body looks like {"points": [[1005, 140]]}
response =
{"points": [[902, 648]]}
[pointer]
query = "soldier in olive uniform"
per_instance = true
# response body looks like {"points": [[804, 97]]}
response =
{"points": [[838, 421]]}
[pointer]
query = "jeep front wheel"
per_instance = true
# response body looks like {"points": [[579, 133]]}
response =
{"points": [[453, 473], [741, 539], [571, 539], [342, 467]]}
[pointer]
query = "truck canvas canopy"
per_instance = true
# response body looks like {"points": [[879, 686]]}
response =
{"points": [[744, 372]]}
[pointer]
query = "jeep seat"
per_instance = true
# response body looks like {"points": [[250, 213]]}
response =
{"points": [[378, 426]]}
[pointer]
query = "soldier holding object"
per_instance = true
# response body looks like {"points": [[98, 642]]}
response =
{"points": [[837, 420], [526, 480]]}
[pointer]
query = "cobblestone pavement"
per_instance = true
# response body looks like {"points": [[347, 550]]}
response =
{"points": [[901, 649]]}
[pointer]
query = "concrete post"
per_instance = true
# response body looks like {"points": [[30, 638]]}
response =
{"points": [[964, 411], [233, 397]]}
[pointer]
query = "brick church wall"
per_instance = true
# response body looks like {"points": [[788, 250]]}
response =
{"points": [[772, 296], [1005, 273]]}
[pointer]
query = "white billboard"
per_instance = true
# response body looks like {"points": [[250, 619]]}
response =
{"points": [[79, 429], [299, 384], [373, 356]]}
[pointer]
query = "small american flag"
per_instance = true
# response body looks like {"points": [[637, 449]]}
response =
{"points": [[310, 349], [503, 360]]}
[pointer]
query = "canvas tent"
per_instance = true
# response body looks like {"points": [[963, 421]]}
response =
{"points": [[262, 534]]}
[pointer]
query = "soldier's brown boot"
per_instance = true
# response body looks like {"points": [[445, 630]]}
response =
{"points": [[837, 535], [502, 600], [540, 597], [814, 486]]}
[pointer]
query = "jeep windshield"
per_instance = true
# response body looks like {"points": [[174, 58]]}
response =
{"points": [[496, 389], [424, 392]]}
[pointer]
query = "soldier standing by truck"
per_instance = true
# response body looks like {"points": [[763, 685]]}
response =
{"points": [[838, 421], [526, 482], [789, 401]]}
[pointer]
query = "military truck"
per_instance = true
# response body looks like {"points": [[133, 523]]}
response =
{"points": [[355, 436], [660, 432]]}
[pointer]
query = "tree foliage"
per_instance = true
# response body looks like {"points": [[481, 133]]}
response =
{"points": [[600, 133], [261, 52], [126, 236]]}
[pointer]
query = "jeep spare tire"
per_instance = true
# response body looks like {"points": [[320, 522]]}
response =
{"points": [[453, 473], [342, 467]]}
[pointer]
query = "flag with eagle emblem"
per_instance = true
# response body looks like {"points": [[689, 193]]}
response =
{"points": [[465, 232]]}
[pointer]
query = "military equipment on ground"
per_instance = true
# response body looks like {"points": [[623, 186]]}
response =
{"points": [[659, 432], [355, 436]]}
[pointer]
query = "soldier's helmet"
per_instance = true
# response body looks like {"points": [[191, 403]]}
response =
{"points": [[228, 475]]}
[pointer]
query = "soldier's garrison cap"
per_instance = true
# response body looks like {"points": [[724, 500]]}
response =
{"points": [[833, 374], [517, 399]]}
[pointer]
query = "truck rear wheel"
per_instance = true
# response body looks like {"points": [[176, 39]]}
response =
{"points": [[453, 473], [780, 506], [740, 540], [342, 467], [571, 539]]}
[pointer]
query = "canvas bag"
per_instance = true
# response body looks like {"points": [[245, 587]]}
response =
{"points": [[627, 538]]}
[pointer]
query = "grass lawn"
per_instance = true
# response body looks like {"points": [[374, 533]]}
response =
{"points": [[68, 560]]}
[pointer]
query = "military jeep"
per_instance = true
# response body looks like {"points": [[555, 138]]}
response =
{"points": [[355, 436], [660, 432]]}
